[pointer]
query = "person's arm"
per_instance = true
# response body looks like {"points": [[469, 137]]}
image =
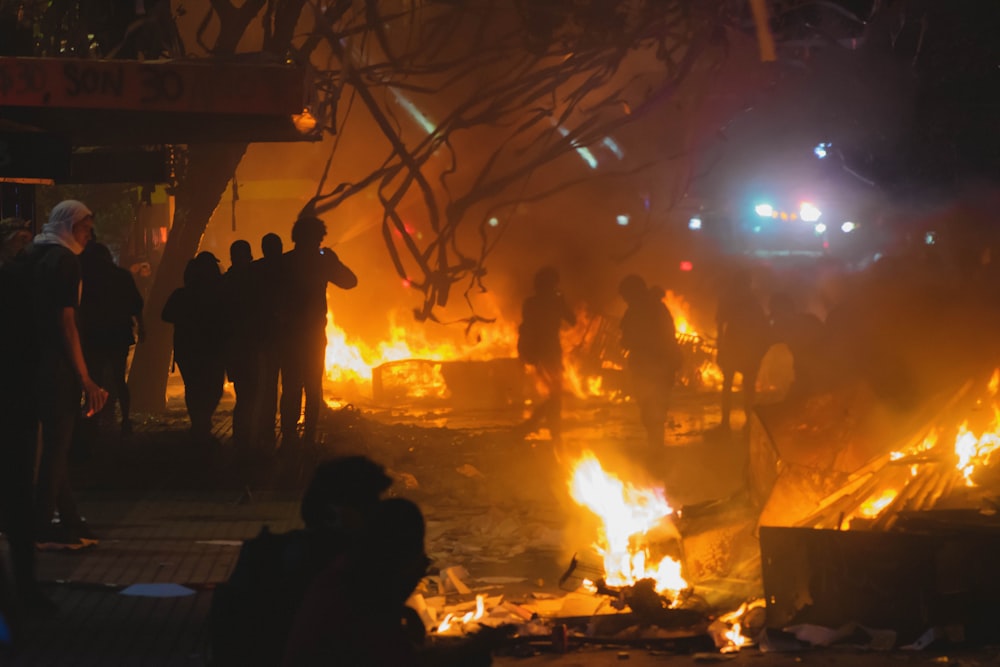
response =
{"points": [[567, 313], [96, 397], [337, 272]]}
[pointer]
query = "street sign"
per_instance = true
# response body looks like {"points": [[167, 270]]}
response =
{"points": [[167, 85]]}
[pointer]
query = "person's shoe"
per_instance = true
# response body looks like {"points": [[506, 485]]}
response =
{"points": [[56, 537]]}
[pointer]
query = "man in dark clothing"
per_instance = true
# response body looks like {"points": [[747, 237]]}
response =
{"points": [[538, 344], [195, 310], [242, 339], [743, 338], [110, 318], [266, 276], [805, 337], [62, 373], [306, 270], [649, 338]]}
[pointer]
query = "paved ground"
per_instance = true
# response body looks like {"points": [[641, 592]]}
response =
{"points": [[170, 513]]}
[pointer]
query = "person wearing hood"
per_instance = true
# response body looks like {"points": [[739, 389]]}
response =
{"points": [[62, 375]]}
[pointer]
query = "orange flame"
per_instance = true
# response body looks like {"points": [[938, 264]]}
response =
{"points": [[628, 514]]}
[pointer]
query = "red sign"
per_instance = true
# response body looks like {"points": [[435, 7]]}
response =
{"points": [[182, 86]]}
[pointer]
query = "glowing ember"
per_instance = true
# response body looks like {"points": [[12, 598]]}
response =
{"points": [[628, 514], [874, 506]]}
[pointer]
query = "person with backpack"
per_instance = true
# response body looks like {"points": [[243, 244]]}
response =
{"points": [[538, 345], [252, 613]]}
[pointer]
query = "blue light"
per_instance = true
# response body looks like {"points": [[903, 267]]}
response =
{"points": [[821, 149], [694, 223], [764, 210]]}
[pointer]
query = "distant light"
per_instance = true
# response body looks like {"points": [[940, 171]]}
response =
{"points": [[304, 122], [821, 149], [756, 230], [820, 228], [694, 223], [614, 147], [826, 245], [930, 238], [764, 210], [493, 222], [407, 282], [848, 227], [582, 151], [809, 212], [622, 220], [413, 110], [686, 266], [784, 216]]}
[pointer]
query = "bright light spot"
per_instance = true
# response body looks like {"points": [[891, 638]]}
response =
{"points": [[614, 148], [930, 238], [694, 223], [848, 227], [414, 112], [686, 266], [304, 122], [821, 150], [407, 282], [820, 228], [622, 220], [582, 151], [809, 212], [764, 210], [756, 230], [493, 222]]}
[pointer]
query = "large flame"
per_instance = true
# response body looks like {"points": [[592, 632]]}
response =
{"points": [[628, 514], [975, 450]]}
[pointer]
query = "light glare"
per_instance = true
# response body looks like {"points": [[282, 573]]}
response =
{"points": [[622, 220], [694, 223], [764, 210], [808, 212], [848, 227]]}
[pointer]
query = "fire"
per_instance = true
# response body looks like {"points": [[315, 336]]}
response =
{"points": [[454, 623], [628, 514], [973, 450], [874, 506]]}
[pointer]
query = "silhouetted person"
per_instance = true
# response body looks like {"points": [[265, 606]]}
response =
{"points": [[18, 444], [252, 613], [538, 344], [195, 310], [62, 374], [15, 235], [649, 338], [743, 338], [805, 337], [306, 270], [110, 318], [242, 345], [266, 273]]}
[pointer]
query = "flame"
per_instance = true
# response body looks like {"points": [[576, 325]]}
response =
{"points": [[733, 639], [628, 514], [452, 623], [973, 450], [872, 507]]}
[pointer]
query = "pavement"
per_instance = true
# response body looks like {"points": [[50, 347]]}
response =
{"points": [[171, 517]]}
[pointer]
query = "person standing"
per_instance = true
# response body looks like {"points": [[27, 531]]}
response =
{"points": [[744, 334], [538, 345], [306, 269], [242, 340], [195, 312], [652, 357], [62, 374], [110, 319], [266, 275]]}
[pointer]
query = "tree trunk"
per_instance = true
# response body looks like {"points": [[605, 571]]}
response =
{"points": [[209, 169]]}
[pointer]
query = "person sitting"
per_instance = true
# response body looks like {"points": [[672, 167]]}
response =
{"points": [[251, 614]]}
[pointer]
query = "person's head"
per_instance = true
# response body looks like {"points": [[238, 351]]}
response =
{"points": [[15, 234], [96, 253], [202, 270], [392, 545], [633, 289], [546, 280], [353, 483], [240, 254], [308, 232], [72, 222], [270, 245]]}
